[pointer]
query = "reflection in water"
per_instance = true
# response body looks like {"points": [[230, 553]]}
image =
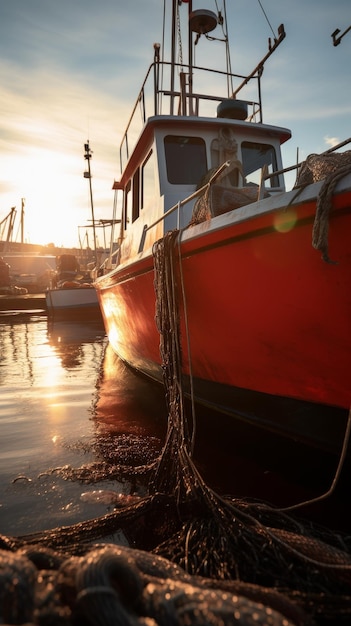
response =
{"points": [[17, 345], [129, 414], [70, 412], [129, 411], [45, 423], [127, 402], [68, 339]]}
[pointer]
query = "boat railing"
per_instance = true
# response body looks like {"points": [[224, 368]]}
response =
{"points": [[110, 262], [181, 203], [161, 73], [155, 99], [297, 166], [265, 176]]}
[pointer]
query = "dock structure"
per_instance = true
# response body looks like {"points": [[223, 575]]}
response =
{"points": [[25, 302]]}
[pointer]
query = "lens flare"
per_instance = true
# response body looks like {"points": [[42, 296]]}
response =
{"points": [[285, 221]]}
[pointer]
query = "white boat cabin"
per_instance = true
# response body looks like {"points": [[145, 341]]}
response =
{"points": [[165, 159], [172, 157]]}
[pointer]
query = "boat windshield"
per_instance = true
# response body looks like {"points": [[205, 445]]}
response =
{"points": [[255, 156], [185, 159]]}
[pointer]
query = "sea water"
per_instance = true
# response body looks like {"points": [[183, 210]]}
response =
{"points": [[70, 411], [67, 405]]}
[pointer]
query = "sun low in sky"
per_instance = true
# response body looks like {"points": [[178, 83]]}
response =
{"points": [[71, 71]]}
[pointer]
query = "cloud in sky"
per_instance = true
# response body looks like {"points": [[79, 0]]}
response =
{"points": [[70, 71], [332, 141]]}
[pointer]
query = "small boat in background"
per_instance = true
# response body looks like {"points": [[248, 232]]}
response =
{"points": [[29, 271], [71, 291], [260, 276]]}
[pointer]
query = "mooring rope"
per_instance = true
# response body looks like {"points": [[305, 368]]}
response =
{"points": [[330, 491]]}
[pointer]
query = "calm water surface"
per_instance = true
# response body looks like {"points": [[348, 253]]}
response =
{"points": [[68, 402]]}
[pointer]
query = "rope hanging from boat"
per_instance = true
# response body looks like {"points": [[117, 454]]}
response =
{"points": [[219, 528], [176, 473], [330, 167]]}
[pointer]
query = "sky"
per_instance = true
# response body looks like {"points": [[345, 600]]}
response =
{"points": [[70, 71]]}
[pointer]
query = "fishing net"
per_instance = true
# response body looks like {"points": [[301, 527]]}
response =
{"points": [[331, 168], [220, 196], [194, 556]]}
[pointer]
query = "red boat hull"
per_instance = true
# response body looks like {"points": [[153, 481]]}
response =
{"points": [[268, 320]]}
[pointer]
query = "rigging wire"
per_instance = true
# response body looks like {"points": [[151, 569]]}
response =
{"points": [[227, 49], [223, 23], [265, 14]]}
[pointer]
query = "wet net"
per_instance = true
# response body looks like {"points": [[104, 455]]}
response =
{"points": [[194, 556], [330, 168]]}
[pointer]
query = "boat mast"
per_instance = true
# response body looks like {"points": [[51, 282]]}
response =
{"points": [[174, 60], [200, 22], [8, 221], [190, 58], [173, 51], [22, 219], [87, 156]]}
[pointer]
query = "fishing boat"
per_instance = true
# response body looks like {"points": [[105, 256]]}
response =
{"points": [[71, 291], [260, 275]]}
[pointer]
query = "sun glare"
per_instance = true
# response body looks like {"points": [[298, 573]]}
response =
{"points": [[50, 193], [51, 374], [56, 195]]}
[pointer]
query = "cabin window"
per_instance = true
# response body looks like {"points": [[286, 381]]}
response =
{"points": [[136, 187], [127, 204], [254, 157], [147, 180], [185, 159]]}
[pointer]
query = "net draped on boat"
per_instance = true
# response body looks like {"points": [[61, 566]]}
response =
{"points": [[195, 556], [329, 167]]}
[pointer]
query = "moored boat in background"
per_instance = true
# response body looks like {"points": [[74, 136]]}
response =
{"points": [[71, 291], [261, 275], [32, 272]]}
